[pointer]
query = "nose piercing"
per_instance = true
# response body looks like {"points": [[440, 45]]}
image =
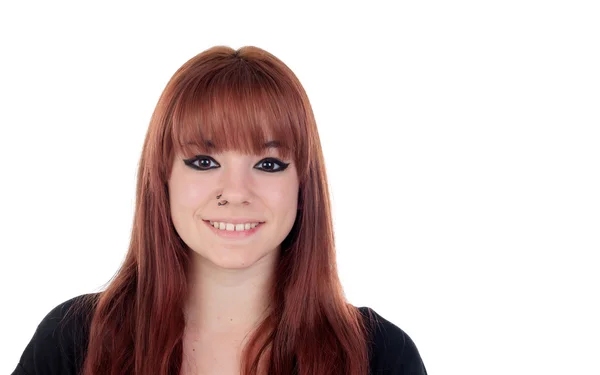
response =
{"points": [[219, 203]]}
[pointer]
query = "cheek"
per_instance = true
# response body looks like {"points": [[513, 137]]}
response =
{"points": [[187, 195], [284, 199]]}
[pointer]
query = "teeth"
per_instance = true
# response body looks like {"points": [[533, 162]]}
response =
{"points": [[233, 227]]}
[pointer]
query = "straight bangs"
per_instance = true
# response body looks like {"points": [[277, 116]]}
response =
{"points": [[241, 106]]}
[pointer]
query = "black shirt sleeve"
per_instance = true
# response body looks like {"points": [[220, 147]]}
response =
{"points": [[58, 344], [409, 361], [392, 351]]}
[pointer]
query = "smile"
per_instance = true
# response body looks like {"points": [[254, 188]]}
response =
{"points": [[229, 230], [231, 227]]}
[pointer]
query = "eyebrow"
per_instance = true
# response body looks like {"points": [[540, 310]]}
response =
{"points": [[270, 144]]}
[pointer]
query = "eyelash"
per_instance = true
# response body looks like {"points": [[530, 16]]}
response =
{"points": [[191, 163]]}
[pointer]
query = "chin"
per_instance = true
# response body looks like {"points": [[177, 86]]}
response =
{"points": [[233, 262], [234, 259]]}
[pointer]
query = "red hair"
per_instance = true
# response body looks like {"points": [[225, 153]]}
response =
{"points": [[225, 99]]}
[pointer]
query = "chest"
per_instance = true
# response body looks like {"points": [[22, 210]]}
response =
{"points": [[205, 355]]}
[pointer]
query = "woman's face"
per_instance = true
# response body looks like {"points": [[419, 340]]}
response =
{"points": [[259, 189]]}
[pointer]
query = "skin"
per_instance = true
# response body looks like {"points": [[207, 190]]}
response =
{"points": [[229, 278]]}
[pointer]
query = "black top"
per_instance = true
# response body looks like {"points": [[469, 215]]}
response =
{"points": [[58, 345]]}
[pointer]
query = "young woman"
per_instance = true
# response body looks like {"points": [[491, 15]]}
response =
{"points": [[231, 266]]}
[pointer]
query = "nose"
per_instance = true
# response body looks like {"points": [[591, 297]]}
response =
{"points": [[236, 184]]}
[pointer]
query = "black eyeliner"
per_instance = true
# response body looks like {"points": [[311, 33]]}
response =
{"points": [[283, 165], [190, 163]]}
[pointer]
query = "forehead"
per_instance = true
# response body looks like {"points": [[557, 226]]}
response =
{"points": [[238, 109], [208, 146]]}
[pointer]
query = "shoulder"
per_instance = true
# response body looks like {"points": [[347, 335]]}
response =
{"points": [[392, 351], [60, 339]]}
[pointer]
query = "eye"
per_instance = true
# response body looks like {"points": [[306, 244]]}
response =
{"points": [[272, 165], [201, 163], [204, 163]]}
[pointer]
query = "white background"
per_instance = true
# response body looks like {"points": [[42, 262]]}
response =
{"points": [[461, 140]]}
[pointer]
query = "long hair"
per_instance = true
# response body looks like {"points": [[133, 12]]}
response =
{"points": [[225, 99]]}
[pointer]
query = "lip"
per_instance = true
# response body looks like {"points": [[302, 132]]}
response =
{"points": [[237, 220], [233, 234]]}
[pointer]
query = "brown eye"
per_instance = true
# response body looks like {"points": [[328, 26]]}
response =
{"points": [[272, 165], [201, 163], [268, 165]]}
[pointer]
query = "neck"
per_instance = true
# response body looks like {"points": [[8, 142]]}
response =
{"points": [[229, 301]]}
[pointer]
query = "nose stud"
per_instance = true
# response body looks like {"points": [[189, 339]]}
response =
{"points": [[221, 203]]}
